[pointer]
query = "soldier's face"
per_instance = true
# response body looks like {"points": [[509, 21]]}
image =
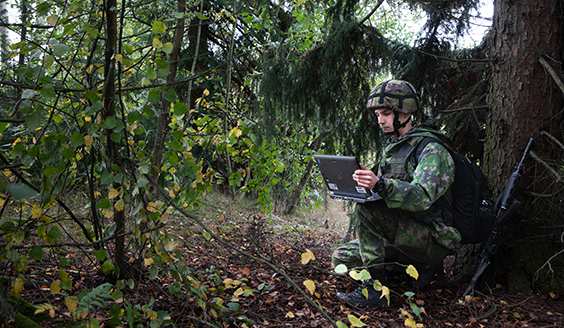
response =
{"points": [[385, 119]]}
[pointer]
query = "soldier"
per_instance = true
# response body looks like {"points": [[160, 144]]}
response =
{"points": [[410, 225]]}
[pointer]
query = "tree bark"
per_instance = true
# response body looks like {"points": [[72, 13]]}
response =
{"points": [[524, 101], [162, 125], [112, 150]]}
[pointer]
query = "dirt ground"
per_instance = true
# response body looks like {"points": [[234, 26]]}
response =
{"points": [[260, 295]]}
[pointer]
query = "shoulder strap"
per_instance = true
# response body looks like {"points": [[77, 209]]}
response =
{"points": [[421, 145]]}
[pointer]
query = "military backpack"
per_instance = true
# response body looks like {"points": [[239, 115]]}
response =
{"points": [[471, 207]]}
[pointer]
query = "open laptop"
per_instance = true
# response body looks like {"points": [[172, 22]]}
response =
{"points": [[337, 173]]}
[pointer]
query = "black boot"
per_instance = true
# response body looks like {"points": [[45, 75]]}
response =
{"points": [[427, 272], [357, 298]]}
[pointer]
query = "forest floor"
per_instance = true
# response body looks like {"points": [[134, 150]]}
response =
{"points": [[271, 300]]}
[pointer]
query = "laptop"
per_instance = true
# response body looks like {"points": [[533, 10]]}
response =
{"points": [[337, 173]]}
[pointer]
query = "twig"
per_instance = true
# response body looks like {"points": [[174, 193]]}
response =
{"points": [[553, 73], [553, 171], [551, 137], [463, 109], [370, 13], [453, 59]]}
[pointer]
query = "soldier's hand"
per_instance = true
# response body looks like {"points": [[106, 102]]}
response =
{"points": [[365, 177]]}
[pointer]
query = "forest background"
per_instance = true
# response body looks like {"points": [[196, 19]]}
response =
{"points": [[119, 119]]}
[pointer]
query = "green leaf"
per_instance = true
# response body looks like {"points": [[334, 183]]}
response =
{"points": [[170, 95], [158, 27], [48, 91], [100, 254], [416, 310], [104, 203], [60, 49], [200, 16], [77, 140], [207, 235], [340, 324], [365, 292], [36, 253], [174, 145], [20, 191], [167, 48], [235, 307], [21, 263], [107, 266], [154, 96], [92, 95], [178, 15], [34, 120], [180, 108], [28, 94], [48, 61]]}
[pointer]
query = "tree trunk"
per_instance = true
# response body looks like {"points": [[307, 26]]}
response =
{"points": [[162, 126], [112, 151], [524, 101]]}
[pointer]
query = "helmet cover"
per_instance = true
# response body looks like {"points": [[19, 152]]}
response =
{"points": [[397, 95]]}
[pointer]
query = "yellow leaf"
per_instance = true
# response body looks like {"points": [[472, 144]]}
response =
{"points": [[45, 307], [236, 132], [36, 211], [355, 322], [518, 315], [53, 20], [119, 58], [55, 286], [149, 261], [206, 92], [289, 315], [385, 292], [164, 217], [157, 44], [412, 272], [310, 285], [17, 287], [88, 140], [2, 202], [238, 292], [410, 323], [120, 205], [151, 207], [70, 303], [307, 256], [113, 193]]}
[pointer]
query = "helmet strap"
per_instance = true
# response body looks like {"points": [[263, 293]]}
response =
{"points": [[397, 125]]}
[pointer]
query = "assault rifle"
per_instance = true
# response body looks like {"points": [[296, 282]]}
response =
{"points": [[505, 207]]}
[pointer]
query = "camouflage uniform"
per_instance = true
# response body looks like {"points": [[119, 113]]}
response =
{"points": [[412, 217]]}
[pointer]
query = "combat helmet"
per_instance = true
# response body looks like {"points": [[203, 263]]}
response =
{"points": [[397, 95]]}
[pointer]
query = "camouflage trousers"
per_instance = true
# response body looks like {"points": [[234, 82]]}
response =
{"points": [[386, 235]]}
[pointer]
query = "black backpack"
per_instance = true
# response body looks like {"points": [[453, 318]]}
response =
{"points": [[473, 215]]}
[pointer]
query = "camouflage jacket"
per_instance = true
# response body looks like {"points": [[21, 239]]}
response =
{"points": [[423, 192], [426, 181]]}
